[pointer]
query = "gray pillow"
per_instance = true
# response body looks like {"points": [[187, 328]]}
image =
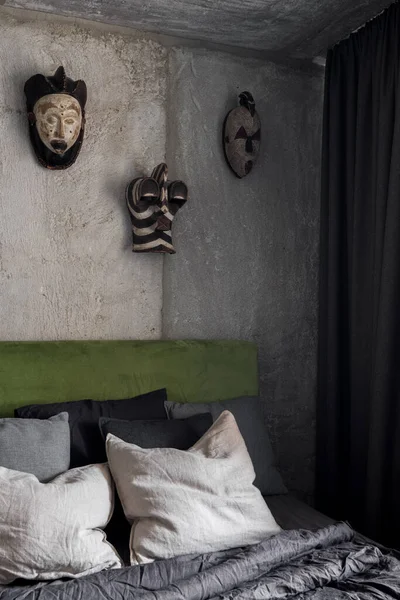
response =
{"points": [[177, 433], [36, 446], [248, 415]]}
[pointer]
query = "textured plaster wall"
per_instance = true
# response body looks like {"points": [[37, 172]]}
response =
{"points": [[289, 28], [65, 266], [247, 250], [247, 260]]}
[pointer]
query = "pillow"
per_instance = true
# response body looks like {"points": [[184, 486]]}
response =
{"points": [[87, 446], [182, 502], [53, 530], [248, 414], [181, 433], [41, 448]]}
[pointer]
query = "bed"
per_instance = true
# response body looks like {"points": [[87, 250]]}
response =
{"points": [[292, 513], [313, 557]]}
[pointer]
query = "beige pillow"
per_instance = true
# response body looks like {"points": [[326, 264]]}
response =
{"points": [[53, 530], [182, 502]]}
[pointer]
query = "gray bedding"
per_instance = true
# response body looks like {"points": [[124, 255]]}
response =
{"points": [[291, 513], [330, 563]]}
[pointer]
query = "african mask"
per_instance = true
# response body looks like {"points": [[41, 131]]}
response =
{"points": [[56, 113], [242, 136], [153, 203]]}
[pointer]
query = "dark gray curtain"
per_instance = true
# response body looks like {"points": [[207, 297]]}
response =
{"points": [[358, 417]]}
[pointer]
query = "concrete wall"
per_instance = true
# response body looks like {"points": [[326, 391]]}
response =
{"points": [[66, 270], [247, 258], [247, 250]]}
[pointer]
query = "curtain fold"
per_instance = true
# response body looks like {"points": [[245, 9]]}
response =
{"points": [[358, 412]]}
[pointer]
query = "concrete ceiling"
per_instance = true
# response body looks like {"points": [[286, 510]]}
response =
{"points": [[293, 29]]}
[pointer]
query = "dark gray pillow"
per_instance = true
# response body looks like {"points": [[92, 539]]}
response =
{"points": [[179, 433], [39, 447], [87, 445], [248, 414]]}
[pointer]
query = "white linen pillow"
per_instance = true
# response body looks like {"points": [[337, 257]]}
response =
{"points": [[195, 501], [52, 530]]}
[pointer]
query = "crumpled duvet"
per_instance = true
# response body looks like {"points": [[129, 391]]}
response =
{"points": [[331, 563]]}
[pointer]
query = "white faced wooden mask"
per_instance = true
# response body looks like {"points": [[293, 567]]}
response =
{"points": [[56, 116], [58, 121]]}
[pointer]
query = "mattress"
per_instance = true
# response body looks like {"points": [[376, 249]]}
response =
{"points": [[291, 513]]}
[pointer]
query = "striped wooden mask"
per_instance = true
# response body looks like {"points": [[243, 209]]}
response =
{"points": [[153, 203]]}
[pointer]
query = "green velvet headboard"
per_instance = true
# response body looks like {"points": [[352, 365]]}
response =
{"points": [[192, 371]]}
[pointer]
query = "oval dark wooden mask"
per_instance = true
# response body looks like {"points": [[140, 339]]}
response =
{"points": [[242, 136]]}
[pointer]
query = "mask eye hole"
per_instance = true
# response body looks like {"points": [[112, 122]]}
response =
{"points": [[241, 134], [70, 121], [51, 120]]}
